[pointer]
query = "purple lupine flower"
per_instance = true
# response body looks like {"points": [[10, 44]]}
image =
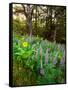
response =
{"points": [[46, 56], [41, 56], [55, 59], [63, 60], [41, 71]]}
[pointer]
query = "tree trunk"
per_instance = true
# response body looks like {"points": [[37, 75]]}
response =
{"points": [[36, 20], [29, 20], [54, 38]]}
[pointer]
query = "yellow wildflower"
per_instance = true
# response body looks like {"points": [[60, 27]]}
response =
{"points": [[25, 44]]}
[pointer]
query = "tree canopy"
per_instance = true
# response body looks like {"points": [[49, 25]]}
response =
{"points": [[43, 20]]}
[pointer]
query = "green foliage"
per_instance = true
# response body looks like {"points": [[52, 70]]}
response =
{"points": [[19, 27], [29, 59]]}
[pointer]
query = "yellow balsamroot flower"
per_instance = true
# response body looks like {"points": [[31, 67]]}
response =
{"points": [[25, 44]]}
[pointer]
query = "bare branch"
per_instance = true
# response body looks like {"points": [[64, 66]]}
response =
{"points": [[24, 10], [32, 8], [43, 9]]}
